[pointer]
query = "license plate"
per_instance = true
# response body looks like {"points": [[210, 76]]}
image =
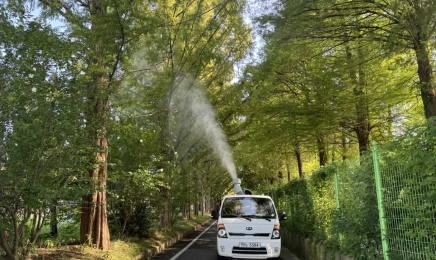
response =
{"points": [[250, 244]]}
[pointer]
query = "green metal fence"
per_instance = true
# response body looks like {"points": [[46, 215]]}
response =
{"points": [[380, 206], [409, 208], [380, 200]]}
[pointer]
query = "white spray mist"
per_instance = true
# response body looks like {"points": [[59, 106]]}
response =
{"points": [[187, 95]]}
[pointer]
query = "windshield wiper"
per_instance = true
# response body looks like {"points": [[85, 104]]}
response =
{"points": [[246, 217], [264, 217], [230, 216]]}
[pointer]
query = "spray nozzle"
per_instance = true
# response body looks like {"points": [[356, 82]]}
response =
{"points": [[237, 185]]}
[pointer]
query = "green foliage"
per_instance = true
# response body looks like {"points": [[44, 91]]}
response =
{"points": [[306, 98], [357, 220], [68, 233], [68, 72], [312, 209], [408, 172], [42, 155], [134, 202], [300, 206], [310, 202], [324, 87], [357, 25]]}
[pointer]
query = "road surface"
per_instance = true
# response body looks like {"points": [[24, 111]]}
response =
{"points": [[201, 245]]}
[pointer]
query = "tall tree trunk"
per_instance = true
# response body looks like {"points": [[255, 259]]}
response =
{"points": [[188, 196], [288, 165], [288, 170], [362, 132], [322, 153], [165, 193], [53, 220], [425, 74], [203, 199], [344, 148], [94, 227], [185, 194], [362, 125], [188, 210], [207, 204], [196, 193], [299, 163], [196, 204], [165, 216], [166, 155]]}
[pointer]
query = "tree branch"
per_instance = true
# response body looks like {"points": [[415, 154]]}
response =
{"points": [[122, 44], [194, 17], [138, 70]]}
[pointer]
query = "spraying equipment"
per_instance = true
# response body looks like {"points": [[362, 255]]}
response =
{"points": [[237, 185], [238, 190]]}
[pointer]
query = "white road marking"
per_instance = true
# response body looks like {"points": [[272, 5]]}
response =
{"points": [[192, 242]]}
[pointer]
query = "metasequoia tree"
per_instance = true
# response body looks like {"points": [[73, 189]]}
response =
{"points": [[104, 31]]}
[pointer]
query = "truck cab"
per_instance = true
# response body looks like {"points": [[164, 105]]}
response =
{"points": [[248, 226]]}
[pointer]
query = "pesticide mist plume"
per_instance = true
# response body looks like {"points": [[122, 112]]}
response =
{"points": [[188, 97]]}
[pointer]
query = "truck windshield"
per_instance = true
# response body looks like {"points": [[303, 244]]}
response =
{"points": [[248, 207]]}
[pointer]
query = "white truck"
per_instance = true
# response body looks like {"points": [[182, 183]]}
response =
{"points": [[248, 226]]}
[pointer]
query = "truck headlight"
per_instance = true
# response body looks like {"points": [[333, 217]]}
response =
{"points": [[222, 231], [276, 232]]}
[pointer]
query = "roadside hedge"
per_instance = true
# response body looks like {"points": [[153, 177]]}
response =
{"points": [[312, 212], [408, 170]]}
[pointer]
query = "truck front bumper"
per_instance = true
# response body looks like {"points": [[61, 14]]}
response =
{"points": [[231, 248]]}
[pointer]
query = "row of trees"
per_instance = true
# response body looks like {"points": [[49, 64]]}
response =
{"points": [[84, 79], [335, 75]]}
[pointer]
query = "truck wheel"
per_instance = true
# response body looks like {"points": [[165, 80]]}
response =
{"points": [[220, 257]]}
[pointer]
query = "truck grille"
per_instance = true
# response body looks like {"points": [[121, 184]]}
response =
{"points": [[254, 235], [249, 251]]}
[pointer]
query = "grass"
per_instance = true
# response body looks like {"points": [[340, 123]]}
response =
{"points": [[65, 246]]}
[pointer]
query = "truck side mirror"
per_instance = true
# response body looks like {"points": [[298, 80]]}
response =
{"points": [[282, 216], [214, 214]]}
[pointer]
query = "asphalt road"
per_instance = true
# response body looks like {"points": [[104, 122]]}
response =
{"points": [[201, 245]]}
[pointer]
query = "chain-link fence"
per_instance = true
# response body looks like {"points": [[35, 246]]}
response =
{"points": [[379, 206], [409, 202]]}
